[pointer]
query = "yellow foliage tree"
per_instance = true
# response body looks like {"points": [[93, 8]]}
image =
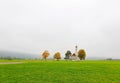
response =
{"points": [[57, 55], [81, 54], [45, 54]]}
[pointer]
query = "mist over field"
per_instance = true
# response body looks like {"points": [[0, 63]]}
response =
{"points": [[32, 26]]}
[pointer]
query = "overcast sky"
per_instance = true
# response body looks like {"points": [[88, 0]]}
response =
{"points": [[32, 26]]}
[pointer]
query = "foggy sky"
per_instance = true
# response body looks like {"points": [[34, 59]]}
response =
{"points": [[32, 26]]}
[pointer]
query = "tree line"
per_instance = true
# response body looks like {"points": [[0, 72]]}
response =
{"points": [[81, 54]]}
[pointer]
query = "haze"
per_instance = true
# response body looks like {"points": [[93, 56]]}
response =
{"points": [[32, 26]]}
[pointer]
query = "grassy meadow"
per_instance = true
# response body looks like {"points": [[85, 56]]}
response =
{"points": [[36, 71]]}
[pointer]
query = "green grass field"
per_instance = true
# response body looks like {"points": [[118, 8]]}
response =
{"points": [[60, 72]]}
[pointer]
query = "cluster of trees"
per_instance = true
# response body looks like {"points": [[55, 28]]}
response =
{"points": [[81, 54], [56, 56], [10, 58]]}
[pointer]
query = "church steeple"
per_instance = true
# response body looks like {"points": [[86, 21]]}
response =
{"points": [[76, 49]]}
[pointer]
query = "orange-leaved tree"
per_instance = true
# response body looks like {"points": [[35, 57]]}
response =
{"points": [[82, 54], [45, 54], [57, 55]]}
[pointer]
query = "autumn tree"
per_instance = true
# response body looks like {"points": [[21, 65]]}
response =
{"points": [[81, 54], [45, 54], [57, 55], [68, 54]]}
